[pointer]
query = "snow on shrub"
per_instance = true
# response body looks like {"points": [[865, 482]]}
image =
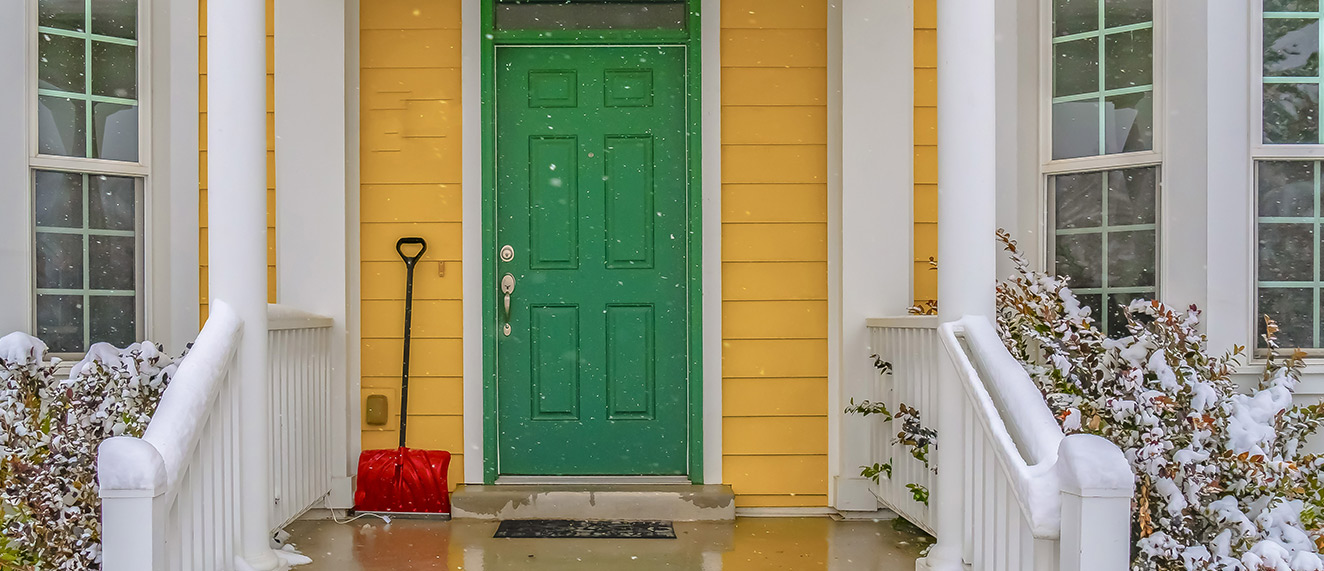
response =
{"points": [[50, 513], [1222, 481]]}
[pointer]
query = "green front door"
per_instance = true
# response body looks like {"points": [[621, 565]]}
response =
{"points": [[591, 221]]}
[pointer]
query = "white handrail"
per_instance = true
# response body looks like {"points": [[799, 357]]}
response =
{"points": [[1031, 498]]}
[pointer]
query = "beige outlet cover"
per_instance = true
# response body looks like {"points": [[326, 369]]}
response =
{"points": [[392, 409]]}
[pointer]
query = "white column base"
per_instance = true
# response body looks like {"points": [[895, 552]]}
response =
{"points": [[342, 493], [855, 494], [923, 564]]}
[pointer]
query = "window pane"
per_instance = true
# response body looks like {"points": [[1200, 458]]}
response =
{"points": [[1291, 5], [1117, 325], [114, 70], [1076, 67], [111, 202], [59, 260], [1291, 47], [1075, 16], [1128, 59], [1131, 257], [1126, 12], [1294, 311], [63, 14], [61, 126], [60, 322], [1287, 188], [1286, 252], [115, 131], [591, 16], [59, 199], [63, 63], [114, 319], [1080, 256], [1132, 196], [1130, 123], [118, 18], [1075, 129], [1291, 113], [1093, 301], [112, 262], [1078, 200]]}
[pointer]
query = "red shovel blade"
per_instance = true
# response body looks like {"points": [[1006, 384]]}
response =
{"points": [[403, 481]]}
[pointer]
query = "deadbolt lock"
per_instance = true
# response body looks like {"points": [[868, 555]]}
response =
{"points": [[507, 253]]}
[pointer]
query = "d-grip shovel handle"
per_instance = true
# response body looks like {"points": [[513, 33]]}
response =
{"points": [[411, 260]]}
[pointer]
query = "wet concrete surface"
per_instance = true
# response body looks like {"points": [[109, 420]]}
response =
{"points": [[747, 544]]}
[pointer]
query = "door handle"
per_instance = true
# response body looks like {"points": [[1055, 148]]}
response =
{"points": [[507, 288]]}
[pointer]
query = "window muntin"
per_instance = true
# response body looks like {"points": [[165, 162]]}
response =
{"points": [[87, 79], [1102, 91], [87, 263], [1105, 237]]}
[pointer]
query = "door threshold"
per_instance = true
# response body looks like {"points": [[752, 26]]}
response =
{"points": [[583, 480]]}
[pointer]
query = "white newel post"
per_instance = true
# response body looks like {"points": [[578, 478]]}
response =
{"points": [[133, 493], [967, 252], [237, 206], [1097, 488]]}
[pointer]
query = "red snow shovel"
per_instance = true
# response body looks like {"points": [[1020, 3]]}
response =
{"points": [[401, 480]]}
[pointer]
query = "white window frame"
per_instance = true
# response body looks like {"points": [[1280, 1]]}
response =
{"points": [[1050, 167], [140, 170]]}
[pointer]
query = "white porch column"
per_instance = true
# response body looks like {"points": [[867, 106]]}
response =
{"points": [[237, 206], [967, 252]]}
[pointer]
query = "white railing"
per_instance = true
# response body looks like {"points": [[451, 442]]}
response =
{"points": [[1031, 498], [168, 498], [299, 367], [910, 344]]}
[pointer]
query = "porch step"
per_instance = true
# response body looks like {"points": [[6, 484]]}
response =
{"points": [[674, 502]]}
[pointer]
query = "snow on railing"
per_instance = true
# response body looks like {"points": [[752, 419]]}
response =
{"points": [[1031, 498], [910, 345], [299, 367], [169, 498]]}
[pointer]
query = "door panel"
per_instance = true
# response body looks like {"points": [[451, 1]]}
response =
{"points": [[591, 196]]}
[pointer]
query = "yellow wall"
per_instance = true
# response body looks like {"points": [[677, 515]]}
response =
{"points": [[202, 157], [926, 148], [774, 251], [410, 163]]}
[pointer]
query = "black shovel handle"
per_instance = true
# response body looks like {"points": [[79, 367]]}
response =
{"points": [[410, 261]]}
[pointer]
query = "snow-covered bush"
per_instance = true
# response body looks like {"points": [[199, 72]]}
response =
{"points": [[1222, 479], [49, 432]]}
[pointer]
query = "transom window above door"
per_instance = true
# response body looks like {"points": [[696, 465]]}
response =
{"points": [[551, 15]]}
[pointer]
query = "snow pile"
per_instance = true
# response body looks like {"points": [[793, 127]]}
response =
{"points": [[49, 432], [1221, 481]]}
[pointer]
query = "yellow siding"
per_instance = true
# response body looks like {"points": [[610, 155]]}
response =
{"points": [[926, 148], [774, 251], [410, 175], [202, 156]]}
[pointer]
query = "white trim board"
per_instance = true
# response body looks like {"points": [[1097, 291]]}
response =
{"points": [[471, 97], [711, 100]]}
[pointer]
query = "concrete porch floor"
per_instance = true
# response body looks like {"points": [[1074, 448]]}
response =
{"points": [[747, 544]]}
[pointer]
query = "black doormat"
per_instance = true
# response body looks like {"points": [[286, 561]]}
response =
{"points": [[580, 529]]}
